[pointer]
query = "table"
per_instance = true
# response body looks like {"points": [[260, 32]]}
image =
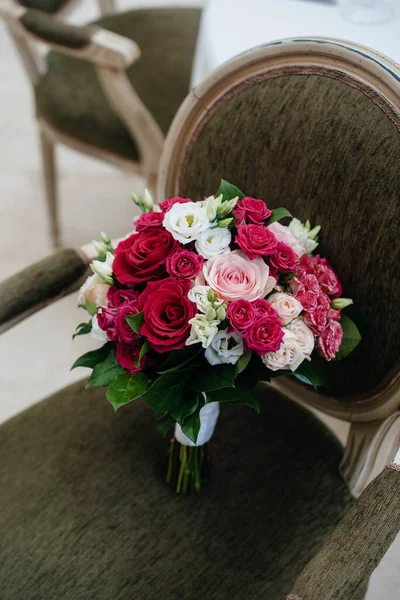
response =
{"points": [[230, 27]]}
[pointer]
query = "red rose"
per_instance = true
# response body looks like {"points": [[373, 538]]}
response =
{"points": [[241, 315], [265, 335], [165, 205], [306, 290], [256, 240], [284, 258], [149, 219], [327, 278], [124, 330], [117, 297], [128, 356], [318, 319], [166, 313], [106, 322], [142, 257], [330, 340], [251, 210], [184, 263], [262, 307]]}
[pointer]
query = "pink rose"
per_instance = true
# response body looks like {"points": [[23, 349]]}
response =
{"points": [[305, 266], [328, 280], [165, 205], [263, 307], [233, 276], [318, 319], [284, 258], [265, 335], [256, 240], [184, 264], [124, 330], [241, 315], [149, 219], [106, 322], [128, 356], [118, 297], [251, 210], [330, 340], [306, 290], [284, 235]]}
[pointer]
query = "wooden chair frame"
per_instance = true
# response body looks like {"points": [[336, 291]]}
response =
{"points": [[374, 417]]}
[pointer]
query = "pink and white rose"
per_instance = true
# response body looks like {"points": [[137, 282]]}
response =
{"points": [[288, 357], [287, 307], [284, 235]]}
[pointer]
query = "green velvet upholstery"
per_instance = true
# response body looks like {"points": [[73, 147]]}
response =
{"points": [[70, 98], [53, 31], [47, 6], [40, 283], [328, 153], [357, 545], [86, 512]]}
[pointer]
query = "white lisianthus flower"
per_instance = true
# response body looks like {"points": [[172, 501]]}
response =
{"points": [[212, 242], [202, 331], [304, 335], [104, 269], [287, 307], [97, 333], [225, 348], [289, 356], [211, 205], [94, 290], [204, 298], [186, 221], [303, 235]]}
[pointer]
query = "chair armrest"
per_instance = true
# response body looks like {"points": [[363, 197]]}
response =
{"points": [[40, 284], [96, 45], [357, 545]]}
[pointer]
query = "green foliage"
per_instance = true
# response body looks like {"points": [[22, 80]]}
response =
{"points": [[191, 426], [144, 350], [208, 379], [229, 191], [105, 372], [135, 321], [242, 363], [91, 359], [186, 407], [126, 388], [351, 337], [83, 329], [164, 423], [168, 391], [90, 308], [277, 215], [235, 395], [179, 358], [311, 372]]}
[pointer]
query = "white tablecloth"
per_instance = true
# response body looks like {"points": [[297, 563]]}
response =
{"points": [[230, 27]]}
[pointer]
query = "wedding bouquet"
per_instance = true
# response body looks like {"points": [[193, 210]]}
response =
{"points": [[202, 301]]}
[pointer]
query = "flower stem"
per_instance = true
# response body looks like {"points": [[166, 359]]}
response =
{"points": [[187, 467]]}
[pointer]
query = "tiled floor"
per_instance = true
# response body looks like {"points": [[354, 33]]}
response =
{"points": [[37, 354]]}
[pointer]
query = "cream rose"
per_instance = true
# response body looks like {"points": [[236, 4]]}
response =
{"points": [[304, 335], [186, 221], [94, 290], [284, 235], [225, 348], [212, 242], [289, 356], [234, 276], [287, 307]]}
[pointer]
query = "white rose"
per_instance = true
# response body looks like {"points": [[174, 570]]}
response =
{"points": [[97, 333], [202, 331], [289, 356], [302, 234], [212, 242], [186, 221], [225, 348], [287, 307], [284, 235], [104, 268], [94, 290], [304, 335]]}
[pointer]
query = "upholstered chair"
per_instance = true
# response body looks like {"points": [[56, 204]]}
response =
{"points": [[85, 509], [109, 89]]}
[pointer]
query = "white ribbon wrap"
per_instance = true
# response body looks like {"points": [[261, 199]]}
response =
{"points": [[208, 420]]}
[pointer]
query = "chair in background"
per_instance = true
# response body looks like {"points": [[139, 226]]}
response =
{"points": [[109, 89], [86, 508]]}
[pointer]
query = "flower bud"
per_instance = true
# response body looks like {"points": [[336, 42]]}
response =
{"points": [[210, 314], [221, 312], [226, 208], [106, 238], [145, 203], [104, 268], [225, 222], [340, 303], [100, 248]]}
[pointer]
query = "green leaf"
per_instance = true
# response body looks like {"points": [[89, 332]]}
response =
{"points": [[83, 329], [91, 359], [277, 215], [214, 378], [234, 395], [242, 363], [144, 350], [351, 337], [126, 388], [179, 358], [187, 407], [164, 423], [229, 191], [135, 321], [105, 372], [91, 308], [168, 391], [311, 372], [191, 426]]}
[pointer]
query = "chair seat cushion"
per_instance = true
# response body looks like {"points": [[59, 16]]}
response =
{"points": [[70, 98], [86, 512]]}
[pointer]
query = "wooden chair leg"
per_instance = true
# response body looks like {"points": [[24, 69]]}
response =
{"points": [[50, 184]]}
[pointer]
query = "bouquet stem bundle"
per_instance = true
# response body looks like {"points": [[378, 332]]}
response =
{"points": [[188, 466]]}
